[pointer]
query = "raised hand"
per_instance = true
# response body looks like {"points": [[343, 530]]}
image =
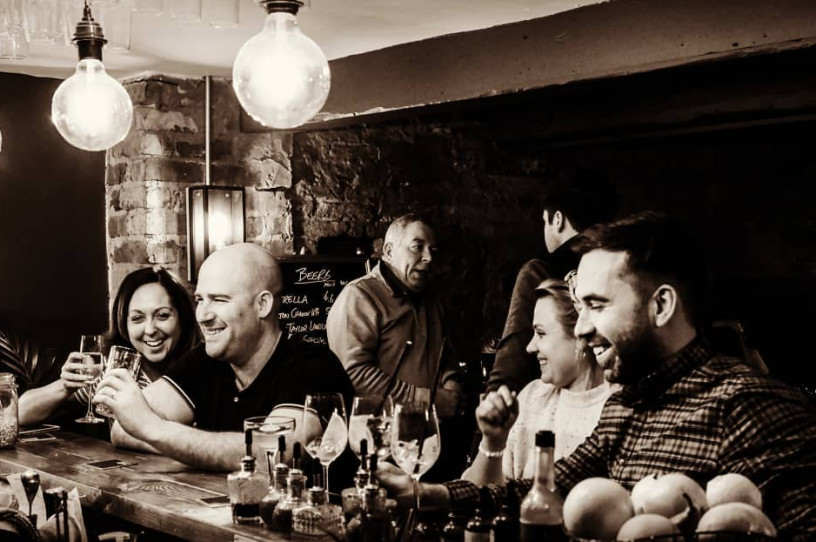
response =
{"points": [[496, 415], [71, 376]]}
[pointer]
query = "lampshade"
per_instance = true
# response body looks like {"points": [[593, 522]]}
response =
{"points": [[280, 76], [215, 219], [91, 109]]}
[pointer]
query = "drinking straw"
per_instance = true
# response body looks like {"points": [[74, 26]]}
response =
{"points": [[434, 387]]}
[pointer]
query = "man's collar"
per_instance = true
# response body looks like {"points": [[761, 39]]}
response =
{"points": [[396, 285], [672, 368]]}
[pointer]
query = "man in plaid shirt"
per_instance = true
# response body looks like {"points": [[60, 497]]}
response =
{"points": [[683, 408]]}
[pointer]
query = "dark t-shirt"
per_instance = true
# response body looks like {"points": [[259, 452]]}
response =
{"points": [[295, 369]]}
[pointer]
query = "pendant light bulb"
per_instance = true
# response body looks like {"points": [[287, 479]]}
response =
{"points": [[280, 76], [91, 109]]}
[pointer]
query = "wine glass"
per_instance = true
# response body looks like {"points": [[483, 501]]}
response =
{"points": [[415, 443], [324, 426], [120, 357], [93, 362], [266, 432], [371, 419]]}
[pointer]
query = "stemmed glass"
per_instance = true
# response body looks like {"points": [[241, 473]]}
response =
{"points": [[415, 443], [266, 432], [324, 423], [93, 362], [371, 419]]}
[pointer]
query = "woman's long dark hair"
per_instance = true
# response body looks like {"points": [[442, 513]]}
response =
{"points": [[179, 297]]}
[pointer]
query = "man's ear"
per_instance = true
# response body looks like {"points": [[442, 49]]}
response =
{"points": [[265, 302], [558, 221], [388, 248], [663, 304]]}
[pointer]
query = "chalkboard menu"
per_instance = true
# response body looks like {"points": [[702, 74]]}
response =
{"points": [[310, 286]]}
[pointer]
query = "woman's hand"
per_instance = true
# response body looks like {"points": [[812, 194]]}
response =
{"points": [[71, 373], [495, 415]]}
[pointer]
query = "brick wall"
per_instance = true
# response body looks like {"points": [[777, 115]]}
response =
{"points": [[148, 173]]}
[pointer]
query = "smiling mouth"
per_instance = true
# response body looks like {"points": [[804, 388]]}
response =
{"points": [[212, 332], [605, 355], [154, 344]]}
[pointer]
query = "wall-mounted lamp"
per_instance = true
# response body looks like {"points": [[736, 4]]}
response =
{"points": [[91, 109], [215, 219], [280, 76], [215, 214]]}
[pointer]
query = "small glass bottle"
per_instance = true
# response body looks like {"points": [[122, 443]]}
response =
{"points": [[505, 526], [453, 530], [477, 529], [317, 520], [275, 494], [282, 516], [246, 488], [541, 510], [9, 424]]}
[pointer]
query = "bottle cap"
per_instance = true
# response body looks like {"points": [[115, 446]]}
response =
{"points": [[545, 439]]}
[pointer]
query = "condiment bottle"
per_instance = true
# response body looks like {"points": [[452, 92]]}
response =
{"points": [[317, 520], [296, 482], [246, 488], [477, 529], [9, 424], [505, 526], [541, 510], [453, 530]]}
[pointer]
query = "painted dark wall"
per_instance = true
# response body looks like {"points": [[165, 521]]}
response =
{"points": [[726, 146], [52, 204]]}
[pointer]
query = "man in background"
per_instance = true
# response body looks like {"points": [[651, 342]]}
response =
{"points": [[574, 200], [386, 327]]}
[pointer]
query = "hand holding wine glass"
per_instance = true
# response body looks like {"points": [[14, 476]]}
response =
{"points": [[324, 424], [415, 443], [93, 362]]}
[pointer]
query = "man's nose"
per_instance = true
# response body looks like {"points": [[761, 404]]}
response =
{"points": [[427, 255], [203, 312], [583, 326]]}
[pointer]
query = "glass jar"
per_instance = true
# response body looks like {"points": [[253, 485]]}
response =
{"points": [[8, 410]]}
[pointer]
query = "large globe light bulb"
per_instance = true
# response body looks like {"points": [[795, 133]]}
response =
{"points": [[280, 76], [91, 109]]}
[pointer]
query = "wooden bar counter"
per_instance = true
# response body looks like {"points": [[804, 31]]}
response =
{"points": [[155, 492]]}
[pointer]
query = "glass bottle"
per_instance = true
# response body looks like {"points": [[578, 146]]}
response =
{"points": [[282, 516], [453, 530], [505, 526], [9, 425], [275, 494], [246, 489], [317, 520], [477, 529], [541, 510]]}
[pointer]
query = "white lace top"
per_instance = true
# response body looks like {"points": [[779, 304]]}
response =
{"points": [[570, 415]]}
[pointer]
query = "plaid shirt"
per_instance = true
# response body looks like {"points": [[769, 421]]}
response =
{"points": [[701, 415]]}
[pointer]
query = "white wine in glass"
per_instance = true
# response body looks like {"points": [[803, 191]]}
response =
{"points": [[415, 444], [93, 363], [324, 423]]}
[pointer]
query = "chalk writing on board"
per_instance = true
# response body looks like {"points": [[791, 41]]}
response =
{"points": [[311, 286]]}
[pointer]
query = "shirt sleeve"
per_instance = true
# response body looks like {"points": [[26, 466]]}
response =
{"points": [[185, 376], [586, 461], [465, 497], [513, 366], [353, 330], [770, 436]]}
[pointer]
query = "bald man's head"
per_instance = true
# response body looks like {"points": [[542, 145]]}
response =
{"points": [[237, 296]]}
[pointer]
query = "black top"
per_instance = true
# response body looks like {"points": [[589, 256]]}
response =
{"points": [[295, 369]]}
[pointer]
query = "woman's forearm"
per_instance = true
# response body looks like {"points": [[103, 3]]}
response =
{"points": [[486, 470], [39, 404]]}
